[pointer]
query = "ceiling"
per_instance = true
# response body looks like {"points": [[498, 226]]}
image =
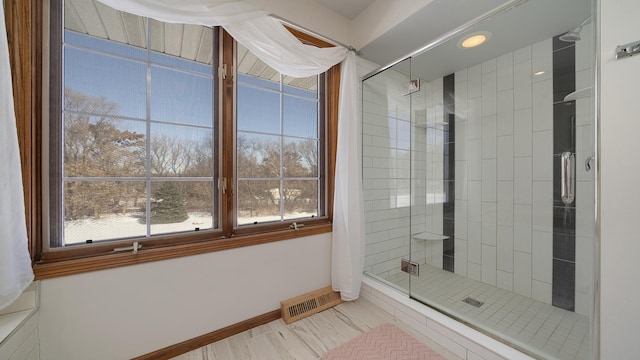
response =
{"points": [[528, 23], [512, 30], [523, 25], [347, 8]]}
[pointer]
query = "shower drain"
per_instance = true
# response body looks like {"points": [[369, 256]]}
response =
{"points": [[472, 302]]}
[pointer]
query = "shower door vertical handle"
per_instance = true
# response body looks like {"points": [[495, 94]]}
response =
{"points": [[567, 177]]}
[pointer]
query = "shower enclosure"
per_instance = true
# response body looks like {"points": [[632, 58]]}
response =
{"points": [[478, 177]]}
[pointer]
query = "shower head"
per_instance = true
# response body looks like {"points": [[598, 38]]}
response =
{"points": [[573, 35]]}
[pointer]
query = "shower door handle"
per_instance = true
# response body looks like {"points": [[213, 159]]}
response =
{"points": [[567, 177]]}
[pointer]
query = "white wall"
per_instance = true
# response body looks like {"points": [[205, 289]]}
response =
{"points": [[130, 311], [310, 15], [381, 17], [619, 182]]}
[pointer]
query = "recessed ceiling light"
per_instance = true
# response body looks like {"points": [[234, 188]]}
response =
{"points": [[538, 73], [475, 39]]}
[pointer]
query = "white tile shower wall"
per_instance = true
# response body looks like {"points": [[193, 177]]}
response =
{"points": [[542, 170], [387, 171], [429, 154], [585, 178], [23, 344], [504, 177], [421, 113]]}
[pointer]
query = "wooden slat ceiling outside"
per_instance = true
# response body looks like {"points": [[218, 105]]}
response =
{"points": [[191, 42]]}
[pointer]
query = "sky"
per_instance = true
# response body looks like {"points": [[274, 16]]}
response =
{"points": [[182, 97]]}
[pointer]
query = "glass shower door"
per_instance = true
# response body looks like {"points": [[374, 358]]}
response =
{"points": [[387, 163], [502, 180]]}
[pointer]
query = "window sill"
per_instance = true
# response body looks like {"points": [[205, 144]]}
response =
{"points": [[114, 260]]}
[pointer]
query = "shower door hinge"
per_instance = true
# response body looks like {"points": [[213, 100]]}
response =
{"points": [[410, 267]]}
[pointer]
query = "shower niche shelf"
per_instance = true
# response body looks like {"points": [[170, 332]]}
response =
{"points": [[427, 236]]}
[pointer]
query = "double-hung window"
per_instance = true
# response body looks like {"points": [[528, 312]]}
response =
{"points": [[278, 142], [168, 134], [134, 136]]}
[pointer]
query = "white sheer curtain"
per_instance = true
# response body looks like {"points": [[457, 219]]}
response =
{"points": [[15, 264], [347, 250], [270, 41]]}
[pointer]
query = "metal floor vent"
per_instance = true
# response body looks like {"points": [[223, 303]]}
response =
{"points": [[472, 302], [308, 304]]}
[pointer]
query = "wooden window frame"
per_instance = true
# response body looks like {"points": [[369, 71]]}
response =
{"points": [[24, 19]]}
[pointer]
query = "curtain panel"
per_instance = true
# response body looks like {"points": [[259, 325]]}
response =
{"points": [[15, 263]]}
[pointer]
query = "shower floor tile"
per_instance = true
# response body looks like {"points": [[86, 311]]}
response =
{"points": [[538, 328]]}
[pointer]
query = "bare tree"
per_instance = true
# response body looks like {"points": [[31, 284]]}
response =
{"points": [[95, 146], [263, 159], [171, 156]]}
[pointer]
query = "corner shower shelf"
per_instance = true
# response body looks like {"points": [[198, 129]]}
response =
{"points": [[425, 125], [579, 94], [429, 236]]}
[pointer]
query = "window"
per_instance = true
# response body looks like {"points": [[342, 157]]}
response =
{"points": [[145, 140], [137, 137], [278, 140]]}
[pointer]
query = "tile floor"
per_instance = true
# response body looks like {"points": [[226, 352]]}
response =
{"points": [[308, 338], [540, 329]]}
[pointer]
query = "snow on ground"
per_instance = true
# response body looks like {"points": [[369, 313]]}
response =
{"points": [[248, 220], [115, 226], [118, 226]]}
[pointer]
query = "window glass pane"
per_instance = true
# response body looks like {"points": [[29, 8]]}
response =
{"points": [[259, 82], [103, 210], [180, 97], [103, 147], [306, 87], [258, 155], [103, 22], [258, 110], [286, 107], [111, 80], [257, 72], [178, 206], [300, 117], [181, 151], [106, 46], [194, 43], [300, 157], [300, 199], [182, 64], [258, 201]]}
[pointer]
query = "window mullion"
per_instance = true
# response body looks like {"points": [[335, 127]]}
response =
{"points": [[148, 129], [281, 149], [228, 210]]}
